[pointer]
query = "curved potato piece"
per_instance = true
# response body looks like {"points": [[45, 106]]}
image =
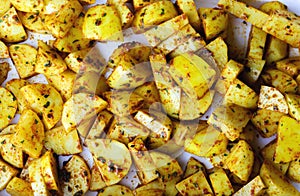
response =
{"points": [[4, 69], [76, 176], [7, 172], [3, 50], [5, 5], [293, 102], [80, 108], [33, 21], [8, 107], [28, 5], [19, 187], [115, 190], [154, 188], [112, 157], [11, 153], [188, 7], [44, 100]]}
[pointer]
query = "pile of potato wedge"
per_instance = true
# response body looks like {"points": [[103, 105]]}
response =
{"points": [[140, 108]]}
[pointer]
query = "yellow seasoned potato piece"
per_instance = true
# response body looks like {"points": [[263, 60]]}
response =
{"points": [[7, 172], [74, 60], [154, 188], [76, 176], [8, 107], [138, 21], [137, 4], [159, 124], [256, 43], [10, 129], [45, 101], [271, 99], [102, 23], [61, 142], [214, 22], [268, 153], [162, 31], [266, 121], [146, 169], [115, 190], [28, 5], [48, 60], [123, 103], [24, 58], [288, 146], [12, 29], [220, 182], [112, 157], [230, 119], [124, 12], [293, 171], [192, 167], [293, 102], [97, 181], [60, 22], [254, 187], [169, 92], [80, 108], [149, 92], [4, 69], [240, 160], [14, 86], [206, 143], [63, 82], [6, 4], [169, 171], [275, 181], [192, 74], [74, 39], [100, 124], [280, 80], [34, 22], [188, 7], [253, 69], [125, 129], [19, 187], [87, 1], [194, 185], [10, 153], [242, 95], [29, 134], [290, 66], [219, 51], [3, 51]]}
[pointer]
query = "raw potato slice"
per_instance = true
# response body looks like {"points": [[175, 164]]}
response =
{"points": [[48, 60], [102, 23], [254, 187], [188, 7], [97, 181], [154, 188], [3, 50], [24, 58], [271, 99], [29, 134], [112, 157], [61, 142], [7, 172], [8, 107], [74, 39], [19, 187], [288, 146], [11, 153], [45, 101], [33, 21], [76, 176], [12, 29], [293, 102], [79, 108], [28, 5], [4, 69], [220, 182], [115, 190], [36, 179]]}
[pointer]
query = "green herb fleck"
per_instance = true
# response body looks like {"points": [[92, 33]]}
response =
{"points": [[47, 104]]}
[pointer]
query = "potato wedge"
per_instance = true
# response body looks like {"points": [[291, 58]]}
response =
{"points": [[255, 187], [220, 182], [7, 172], [188, 7], [192, 167], [138, 4], [61, 142], [19, 187], [154, 188], [24, 57], [293, 102], [28, 6], [10, 129], [8, 107], [36, 179], [4, 69], [149, 92], [252, 70], [34, 22], [256, 43], [102, 23], [76, 176], [112, 157], [219, 51], [12, 29], [97, 181], [10, 153], [45, 101], [115, 189], [290, 66], [293, 171], [6, 4], [74, 60], [25, 171], [3, 50], [124, 12]]}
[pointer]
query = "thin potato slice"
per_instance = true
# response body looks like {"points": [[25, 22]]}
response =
{"points": [[8, 107], [115, 190], [19, 187]]}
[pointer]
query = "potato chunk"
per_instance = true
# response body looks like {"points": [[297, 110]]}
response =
{"points": [[8, 107]]}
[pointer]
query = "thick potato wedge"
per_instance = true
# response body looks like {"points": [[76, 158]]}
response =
{"points": [[220, 182], [293, 171], [288, 147], [240, 160], [112, 157], [290, 66], [146, 169], [124, 12], [271, 99], [74, 39], [293, 102], [154, 188], [36, 179], [19, 187], [254, 187], [214, 22], [74, 60], [102, 23], [7, 172], [219, 51], [188, 7], [61, 142], [12, 29], [101, 123], [10, 153], [256, 43], [252, 70], [97, 181], [192, 167], [3, 51], [115, 190], [8, 107], [76, 176], [45, 101], [149, 92], [25, 171], [29, 134], [34, 22], [24, 57], [48, 60]]}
